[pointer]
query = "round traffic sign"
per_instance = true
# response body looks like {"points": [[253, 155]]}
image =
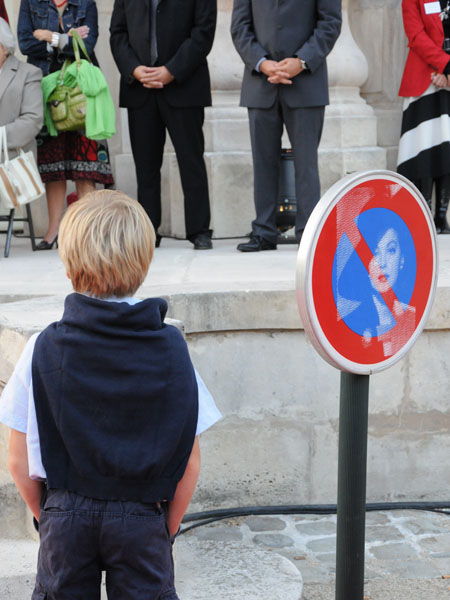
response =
{"points": [[367, 270]]}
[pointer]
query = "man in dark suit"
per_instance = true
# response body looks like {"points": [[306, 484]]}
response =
{"points": [[284, 45], [160, 48]]}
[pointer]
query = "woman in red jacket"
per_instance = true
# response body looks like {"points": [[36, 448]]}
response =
{"points": [[3, 13], [424, 149]]}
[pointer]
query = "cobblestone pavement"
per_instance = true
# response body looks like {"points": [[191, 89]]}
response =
{"points": [[407, 552]]}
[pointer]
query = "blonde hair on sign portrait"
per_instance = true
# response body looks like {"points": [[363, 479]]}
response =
{"points": [[106, 242]]}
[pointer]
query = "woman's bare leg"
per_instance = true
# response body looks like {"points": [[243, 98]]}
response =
{"points": [[84, 186], [56, 198]]}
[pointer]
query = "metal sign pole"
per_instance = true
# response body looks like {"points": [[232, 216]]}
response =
{"points": [[351, 514], [344, 273]]}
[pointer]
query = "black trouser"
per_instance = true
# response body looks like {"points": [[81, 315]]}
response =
{"points": [[304, 127], [80, 537], [148, 125]]}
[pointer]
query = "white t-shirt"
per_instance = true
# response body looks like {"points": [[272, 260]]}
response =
{"points": [[17, 409]]}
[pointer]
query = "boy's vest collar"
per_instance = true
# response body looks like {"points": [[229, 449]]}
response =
{"points": [[96, 314]]}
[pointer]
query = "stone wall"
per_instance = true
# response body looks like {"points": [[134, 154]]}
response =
{"points": [[277, 442]]}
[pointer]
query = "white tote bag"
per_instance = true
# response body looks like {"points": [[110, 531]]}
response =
{"points": [[20, 182]]}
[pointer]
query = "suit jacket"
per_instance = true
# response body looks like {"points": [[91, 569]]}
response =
{"points": [[21, 108], [185, 34], [425, 39], [307, 29]]}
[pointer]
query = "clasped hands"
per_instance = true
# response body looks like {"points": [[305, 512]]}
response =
{"points": [[153, 77], [283, 71], [440, 80]]}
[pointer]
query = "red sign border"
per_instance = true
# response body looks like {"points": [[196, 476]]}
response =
{"points": [[318, 228]]}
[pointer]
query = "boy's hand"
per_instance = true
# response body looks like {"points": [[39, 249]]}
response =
{"points": [[30, 490], [184, 492]]}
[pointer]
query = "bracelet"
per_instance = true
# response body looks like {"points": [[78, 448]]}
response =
{"points": [[55, 40]]}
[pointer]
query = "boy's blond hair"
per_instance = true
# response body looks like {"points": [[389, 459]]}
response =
{"points": [[106, 242]]}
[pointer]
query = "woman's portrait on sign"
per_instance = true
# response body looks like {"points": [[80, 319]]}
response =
{"points": [[374, 300]]}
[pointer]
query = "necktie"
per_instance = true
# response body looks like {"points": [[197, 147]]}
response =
{"points": [[153, 40]]}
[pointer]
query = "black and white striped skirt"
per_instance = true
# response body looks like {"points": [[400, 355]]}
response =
{"points": [[424, 148]]}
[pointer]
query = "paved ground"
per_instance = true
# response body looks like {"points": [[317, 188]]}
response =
{"points": [[258, 558], [176, 268], [407, 552]]}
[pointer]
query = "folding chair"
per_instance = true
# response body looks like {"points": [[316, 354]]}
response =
{"points": [[11, 219]]}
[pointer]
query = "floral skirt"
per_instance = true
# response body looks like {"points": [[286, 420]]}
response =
{"points": [[72, 156]]}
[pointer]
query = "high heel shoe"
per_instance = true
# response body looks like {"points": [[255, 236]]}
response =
{"points": [[44, 245]]}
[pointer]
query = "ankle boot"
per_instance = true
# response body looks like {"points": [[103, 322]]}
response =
{"points": [[440, 220], [442, 200], [425, 187]]}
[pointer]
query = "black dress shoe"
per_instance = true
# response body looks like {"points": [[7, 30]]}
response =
{"points": [[202, 242], [255, 244]]}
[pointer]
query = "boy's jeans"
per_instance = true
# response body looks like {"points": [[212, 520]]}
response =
{"points": [[80, 537]]}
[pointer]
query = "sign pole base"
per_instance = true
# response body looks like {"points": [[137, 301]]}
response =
{"points": [[352, 470]]}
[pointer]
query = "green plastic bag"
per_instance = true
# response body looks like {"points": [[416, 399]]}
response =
{"points": [[80, 93], [67, 105]]}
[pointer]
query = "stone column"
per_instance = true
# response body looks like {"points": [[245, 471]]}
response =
{"points": [[349, 141], [372, 24]]}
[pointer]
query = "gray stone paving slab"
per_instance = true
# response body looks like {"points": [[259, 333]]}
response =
{"points": [[307, 518], [426, 524], [382, 532], [389, 588], [317, 528], [273, 540], [394, 551], [376, 518], [328, 558], [327, 544], [411, 569], [218, 534], [265, 524], [436, 543]]}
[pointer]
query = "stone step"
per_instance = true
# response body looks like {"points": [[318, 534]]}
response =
{"points": [[205, 570]]}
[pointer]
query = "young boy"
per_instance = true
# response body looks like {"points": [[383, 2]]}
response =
{"points": [[105, 406]]}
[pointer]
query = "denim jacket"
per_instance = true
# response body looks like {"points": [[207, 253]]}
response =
{"points": [[42, 14]]}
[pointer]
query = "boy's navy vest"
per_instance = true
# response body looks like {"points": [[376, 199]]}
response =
{"points": [[116, 400]]}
